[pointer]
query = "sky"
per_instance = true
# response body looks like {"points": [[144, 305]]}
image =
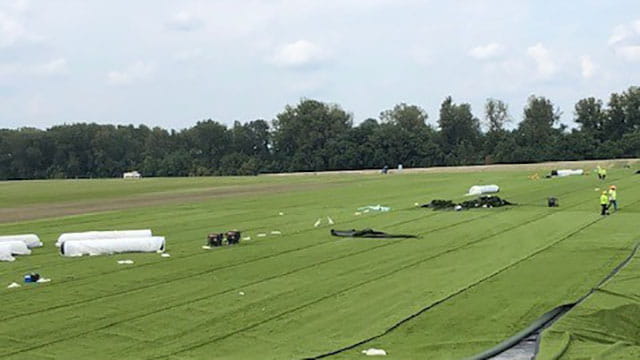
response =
{"points": [[173, 63]]}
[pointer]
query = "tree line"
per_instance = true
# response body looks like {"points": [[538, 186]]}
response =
{"points": [[316, 136]]}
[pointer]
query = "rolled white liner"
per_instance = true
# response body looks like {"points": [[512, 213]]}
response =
{"points": [[568, 172], [15, 247], [93, 235], [5, 254], [112, 246], [483, 189], [31, 240]]}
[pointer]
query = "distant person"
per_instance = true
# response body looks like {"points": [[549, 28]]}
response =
{"points": [[604, 203], [613, 197], [399, 167], [602, 173], [384, 170]]}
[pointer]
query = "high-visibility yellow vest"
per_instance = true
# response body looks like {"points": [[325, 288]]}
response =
{"points": [[613, 195], [604, 199]]}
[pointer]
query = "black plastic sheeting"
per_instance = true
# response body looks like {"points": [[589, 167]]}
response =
{"points": [[548, 319], [525, 335], [368, 233], [488, 201]]}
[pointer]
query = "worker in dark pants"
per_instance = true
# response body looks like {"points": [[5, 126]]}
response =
{"points": [[604, 203], [613, 197]]}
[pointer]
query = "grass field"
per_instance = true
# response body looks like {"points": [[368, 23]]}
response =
{"points": [[481, 274]]}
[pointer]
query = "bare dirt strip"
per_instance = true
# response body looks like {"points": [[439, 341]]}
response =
{"points": [[42, 211], [74, 208], [585, 164]]}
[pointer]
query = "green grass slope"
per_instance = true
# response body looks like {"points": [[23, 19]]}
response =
{"points": [[486, 273]]}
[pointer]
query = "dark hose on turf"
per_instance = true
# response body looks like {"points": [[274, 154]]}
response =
{"points": [[552, 316]]}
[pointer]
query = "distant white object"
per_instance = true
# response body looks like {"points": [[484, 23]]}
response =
{"points": [[43, 280], [13, 285], [206, 247], [280, 213], [93, 235], [457, 208], [416, 204], [165, 255], [399, 167], [246, 238], [241, 293], [276, 233], [483, 189], [15, 248], [31, 240], [374, 352], [125, 262], [112, 246], [357, 213], [131, 175], [330, 220], [567, 172], [317, 223], [262, 235]]}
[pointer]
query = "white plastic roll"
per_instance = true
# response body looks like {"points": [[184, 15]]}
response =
{"points": [[31, 240], [89, 235], [15, 247], [112, 246], [483, 189]]}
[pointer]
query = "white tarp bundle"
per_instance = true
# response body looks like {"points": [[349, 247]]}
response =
{"points": [[112, 246], [483, 189], [10, 248], [31, 240], [570, 172], [93, 235]]}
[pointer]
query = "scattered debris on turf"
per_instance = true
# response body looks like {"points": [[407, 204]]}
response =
{"points": [[165, 255], [246, 238], [206, 247], [13, 285], [374, 208], [374, 352], [281, 213], [43, 280], [357, 213], [318, 222], [368, 233], [276, 233], [125, 262], [330, 220], [241, 293], [262, 235]]}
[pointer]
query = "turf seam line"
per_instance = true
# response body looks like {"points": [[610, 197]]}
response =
{"points": [[450, 296], [210, 270], [219, 293], [552, 316], [359, 285]]}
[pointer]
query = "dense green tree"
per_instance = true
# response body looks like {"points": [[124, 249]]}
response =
{"points": [[303, 132]]}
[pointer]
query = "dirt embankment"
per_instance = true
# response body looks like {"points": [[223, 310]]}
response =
{"points": [[585, 164]]}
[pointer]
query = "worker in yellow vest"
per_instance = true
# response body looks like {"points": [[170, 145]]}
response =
{"points": [[604, 203], [602, 173], [613, 197]]}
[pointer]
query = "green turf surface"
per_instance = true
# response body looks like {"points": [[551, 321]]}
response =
{"points": [[487, 273]]}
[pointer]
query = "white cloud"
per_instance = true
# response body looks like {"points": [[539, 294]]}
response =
{"points": [[298, 54], [10, 30], [587, 66], [625, 41], [188, 55], [486, 52], [135, 72], [184, 21], [629, 52], [545, 64], [53, 67]]}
